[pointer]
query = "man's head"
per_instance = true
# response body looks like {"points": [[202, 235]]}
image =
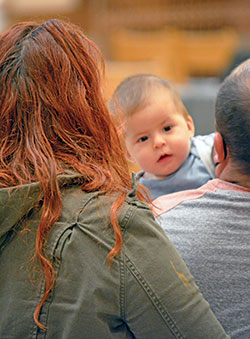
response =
{"points": [[232, 114]]}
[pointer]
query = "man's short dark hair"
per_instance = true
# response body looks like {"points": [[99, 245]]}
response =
{"points": [[232, 114]]}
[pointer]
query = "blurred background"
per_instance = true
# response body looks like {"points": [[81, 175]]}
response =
{"points": [[192, 43]]}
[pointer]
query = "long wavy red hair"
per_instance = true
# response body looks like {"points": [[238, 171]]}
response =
{"points": [[53, 118]]}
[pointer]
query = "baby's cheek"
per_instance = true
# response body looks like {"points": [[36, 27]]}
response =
{"points": [[143, 157]]}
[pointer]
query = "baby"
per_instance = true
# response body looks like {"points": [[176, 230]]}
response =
{"points": [[159, 135]]}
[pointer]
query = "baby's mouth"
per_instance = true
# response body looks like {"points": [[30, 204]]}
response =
{"points": [[163, 156]]}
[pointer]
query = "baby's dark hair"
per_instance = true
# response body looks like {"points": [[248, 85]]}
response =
{"points": [[232, 114], [133, 92]]}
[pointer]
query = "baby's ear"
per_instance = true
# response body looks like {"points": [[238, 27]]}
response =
{"points": [[133, 167], [128, 156], [190, 125]]}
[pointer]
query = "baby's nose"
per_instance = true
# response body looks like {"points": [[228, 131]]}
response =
{"points": [[159, 141]]}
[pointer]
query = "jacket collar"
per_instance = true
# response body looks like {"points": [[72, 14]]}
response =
{"points": [[16, 202]]}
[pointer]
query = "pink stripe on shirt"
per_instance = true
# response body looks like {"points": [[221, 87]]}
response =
{"points": [[169, 201]]}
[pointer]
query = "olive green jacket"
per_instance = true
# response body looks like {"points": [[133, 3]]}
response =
{"points": [[147, 293]]}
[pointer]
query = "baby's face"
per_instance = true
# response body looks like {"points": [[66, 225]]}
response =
{"points": [[158, 137]]}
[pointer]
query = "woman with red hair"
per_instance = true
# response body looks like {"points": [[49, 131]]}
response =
{"points": [[81, 255]]}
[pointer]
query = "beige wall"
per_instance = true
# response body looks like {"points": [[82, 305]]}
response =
{"points": [[31, 6]]}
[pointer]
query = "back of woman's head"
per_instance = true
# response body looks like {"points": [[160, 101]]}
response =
{"points": [[53, 120], [53, 116]]}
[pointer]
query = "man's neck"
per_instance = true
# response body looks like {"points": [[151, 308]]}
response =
{"points": [[232, 174]]}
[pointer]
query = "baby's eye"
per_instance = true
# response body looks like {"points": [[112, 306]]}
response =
{"points": [[142, 139], [167, 128]]}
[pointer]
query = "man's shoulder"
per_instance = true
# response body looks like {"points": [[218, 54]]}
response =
{"points": [[217, 187], [170, 201]]}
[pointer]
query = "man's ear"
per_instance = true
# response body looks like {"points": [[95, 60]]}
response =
{"points": [[190, 125], [219, 151]]}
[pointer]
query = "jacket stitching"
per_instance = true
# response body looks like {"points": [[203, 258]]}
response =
{"points": [[155, 300], [122, 287]]}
